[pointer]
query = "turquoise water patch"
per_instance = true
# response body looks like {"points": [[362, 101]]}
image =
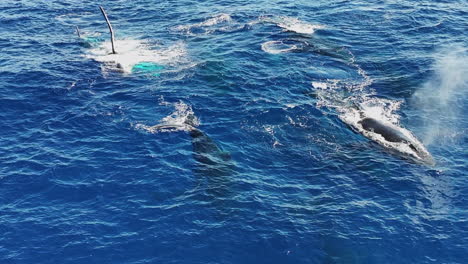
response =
{"points": [[90, 42], [148, 67], [91, 39]]}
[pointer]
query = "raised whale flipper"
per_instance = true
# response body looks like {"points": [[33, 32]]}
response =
{"points": [[78, 31], [110, 28]]}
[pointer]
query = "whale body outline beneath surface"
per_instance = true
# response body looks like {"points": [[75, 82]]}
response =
{"points": [[211, 158]]}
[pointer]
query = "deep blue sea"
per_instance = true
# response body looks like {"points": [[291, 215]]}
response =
{"points": [[228, 132]]}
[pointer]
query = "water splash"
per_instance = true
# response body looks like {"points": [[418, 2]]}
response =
{"points": [[90, 39], [220, 22], [290, 24], [216, 20], [277, 47], [131, 54], [442, 98], [182, 119]]}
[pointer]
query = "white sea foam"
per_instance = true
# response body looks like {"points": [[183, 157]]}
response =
{"points": [[216, 20], [182, 119], [132, 52], [319, 85], [270, 129], [332, 93], [277, 47], [294, 24], [291, 24], [75, 19], [222, 22]]}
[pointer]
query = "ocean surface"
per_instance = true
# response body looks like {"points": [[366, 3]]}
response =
{"points": [[228, 132]]}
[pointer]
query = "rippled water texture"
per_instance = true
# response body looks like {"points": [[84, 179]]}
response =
{"points": [[229, 132]]}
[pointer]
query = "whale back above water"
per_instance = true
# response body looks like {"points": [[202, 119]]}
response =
{"points": [[390, 134], [393, 135]]}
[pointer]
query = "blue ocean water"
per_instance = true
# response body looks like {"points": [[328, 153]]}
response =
{"points": [[255, 159]]}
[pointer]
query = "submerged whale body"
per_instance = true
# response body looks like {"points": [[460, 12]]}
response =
{"points": [[206, 151], [214, 166], [211, 159]]}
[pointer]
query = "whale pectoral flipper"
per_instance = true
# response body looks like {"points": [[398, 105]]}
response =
{"points": [[110, 28], [78, 31]]}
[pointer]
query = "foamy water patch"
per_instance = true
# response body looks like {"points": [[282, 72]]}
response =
{"points": [[75, 19], [298, 26], [277, 47], [335, 93], [182, 119], [131, 53], [216, 20], [291, 24], [284, 46], [320, 85], [90, 39], [220, 22]]}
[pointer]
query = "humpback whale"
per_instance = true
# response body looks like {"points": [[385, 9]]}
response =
{"points": [[393, 134], [388, 133], [214, 166], [212, 160]]}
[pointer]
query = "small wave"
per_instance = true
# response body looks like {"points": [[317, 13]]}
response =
{"points": [[291, 24], [283, 46], [182, 119], [75, 19], [131, 54], [216, 20]]}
